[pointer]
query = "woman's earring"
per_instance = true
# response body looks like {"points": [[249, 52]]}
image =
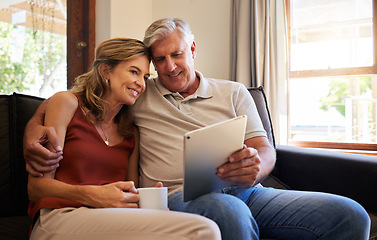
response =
{"points": [[108, 81]]}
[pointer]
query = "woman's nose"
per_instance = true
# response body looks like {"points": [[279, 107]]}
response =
{"points": [[141, 83]]}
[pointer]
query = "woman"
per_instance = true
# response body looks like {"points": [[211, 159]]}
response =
{"points": [[99, 169]]}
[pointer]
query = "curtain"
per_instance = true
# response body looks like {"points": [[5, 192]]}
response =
{"points": [[259, 55]]}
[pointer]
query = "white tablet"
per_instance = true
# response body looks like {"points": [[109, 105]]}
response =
{"points": [[206, 149]]}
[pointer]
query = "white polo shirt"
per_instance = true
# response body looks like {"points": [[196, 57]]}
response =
{"points": [[163, 117]]}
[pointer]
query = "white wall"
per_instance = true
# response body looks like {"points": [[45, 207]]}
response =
{"points": [[122, 18], [209, 21]]}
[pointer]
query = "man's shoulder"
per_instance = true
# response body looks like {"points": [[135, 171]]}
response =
{"points": [[150, 86], [149, 95], [224, 84], [151, 81]]}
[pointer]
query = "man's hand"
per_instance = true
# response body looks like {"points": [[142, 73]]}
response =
{"points": [[39, 159], [242, 169], [251, 165]]}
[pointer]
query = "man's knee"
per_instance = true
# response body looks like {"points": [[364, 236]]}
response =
{"points": [[350, 217], [232, 215], [357, 217], [218, 205]]}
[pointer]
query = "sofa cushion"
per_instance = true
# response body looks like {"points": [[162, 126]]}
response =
{"points": [[15, 228], [5, 183], [373, 227], [18, 109], [260, 100]]}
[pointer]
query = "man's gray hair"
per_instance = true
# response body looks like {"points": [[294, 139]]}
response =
{"points": [[162, 28]]}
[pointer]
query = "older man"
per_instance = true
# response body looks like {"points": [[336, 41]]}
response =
{"points": [[180, 100]]}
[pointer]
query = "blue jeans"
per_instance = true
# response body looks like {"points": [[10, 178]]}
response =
{"points": [[261, 212]]}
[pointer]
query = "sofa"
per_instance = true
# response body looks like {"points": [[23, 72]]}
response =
{"points": [[346, 174]]}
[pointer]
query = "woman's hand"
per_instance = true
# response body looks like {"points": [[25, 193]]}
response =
{"points": [[114, 195]]}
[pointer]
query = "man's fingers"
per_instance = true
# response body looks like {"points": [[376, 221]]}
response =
{"points": [[242, 154], [31, 170], [44, 156], [42, 169], [53, 139], [243, 181], [244, 163]]}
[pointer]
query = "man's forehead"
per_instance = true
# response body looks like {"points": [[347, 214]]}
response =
{"points": [[167, 48], [174, 42]]}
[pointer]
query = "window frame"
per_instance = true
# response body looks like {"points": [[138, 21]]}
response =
{"points": [[359, 147], [80, 28]]}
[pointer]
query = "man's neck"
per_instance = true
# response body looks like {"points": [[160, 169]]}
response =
{"points": [[192, 88]]}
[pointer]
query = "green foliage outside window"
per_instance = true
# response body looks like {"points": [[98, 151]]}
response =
{"points": [[340, 88], [29, 58]]}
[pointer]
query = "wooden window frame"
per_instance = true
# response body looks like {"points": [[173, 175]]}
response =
{"points": [[80, 28], [360, 147]]}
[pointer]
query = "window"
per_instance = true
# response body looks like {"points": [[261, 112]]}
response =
{"points": [[33, 45], [332, 81], [44, 45]]}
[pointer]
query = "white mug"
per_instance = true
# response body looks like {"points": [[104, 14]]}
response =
{"points": [[153, 198]]}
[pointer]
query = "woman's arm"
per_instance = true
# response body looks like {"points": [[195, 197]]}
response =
{"points": [[113, 195], [133, 161], [38, 158], [59, 113]]}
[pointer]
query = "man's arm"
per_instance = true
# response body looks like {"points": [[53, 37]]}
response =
{"points": [[251, 165], [38, 158]]}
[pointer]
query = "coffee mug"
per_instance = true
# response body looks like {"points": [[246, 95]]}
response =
{"points": [[153, 198]]}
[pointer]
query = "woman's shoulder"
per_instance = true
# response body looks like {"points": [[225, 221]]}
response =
{"points": [[64, 99]]}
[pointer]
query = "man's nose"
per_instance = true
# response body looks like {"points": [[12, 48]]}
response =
{"points": [[170, 64]]}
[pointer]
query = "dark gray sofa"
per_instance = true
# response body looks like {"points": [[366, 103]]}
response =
{"points": [[350, 175], [15, 112]]}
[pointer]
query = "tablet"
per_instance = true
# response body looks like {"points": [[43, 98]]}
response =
{"points": [[207, 148]]}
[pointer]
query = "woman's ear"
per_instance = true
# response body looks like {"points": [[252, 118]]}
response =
{"points": [[104, 70]]}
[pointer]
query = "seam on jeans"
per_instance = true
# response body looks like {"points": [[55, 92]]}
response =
{"points": [[285, 226], [265, 205]]}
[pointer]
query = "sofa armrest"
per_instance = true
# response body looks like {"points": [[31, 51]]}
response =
{"points": [[346, 174]]}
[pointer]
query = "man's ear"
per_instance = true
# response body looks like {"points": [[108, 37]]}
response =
{"points": [[193, 49]]}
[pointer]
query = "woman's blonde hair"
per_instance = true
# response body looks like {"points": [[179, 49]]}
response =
{"points": [[92, 86]]}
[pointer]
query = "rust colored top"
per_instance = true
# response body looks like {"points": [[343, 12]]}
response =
{"points": [[87, 160]]}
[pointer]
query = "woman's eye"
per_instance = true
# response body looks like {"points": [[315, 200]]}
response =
{"points": [[134, 72]]}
